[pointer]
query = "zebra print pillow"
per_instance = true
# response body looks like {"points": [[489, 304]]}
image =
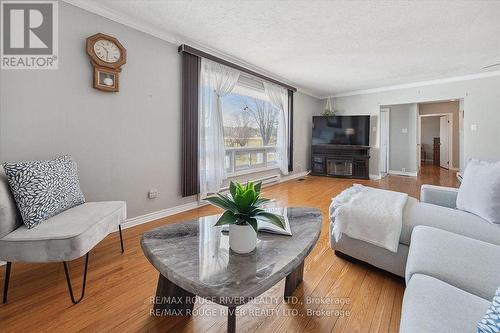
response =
{"points": [[43, 189], [491, 321]]}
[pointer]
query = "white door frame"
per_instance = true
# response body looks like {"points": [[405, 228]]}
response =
{"points": [[388, 110], [450, 133]]}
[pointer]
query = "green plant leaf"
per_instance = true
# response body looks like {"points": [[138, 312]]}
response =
{"points": [[257, 187], [229, 201], [239, 189], [260, 201], [232, 189], [226, 218], [254, 210], [254, 224], [245, 200], [219, 202], [277, 220]]}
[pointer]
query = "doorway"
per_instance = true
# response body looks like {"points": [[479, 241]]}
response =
{"points": [[445, 149], [436, 139]]}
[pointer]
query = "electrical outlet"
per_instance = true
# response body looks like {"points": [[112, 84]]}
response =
{"points": [[473, 127], [153, 193], [403, 169], [404, 130]]}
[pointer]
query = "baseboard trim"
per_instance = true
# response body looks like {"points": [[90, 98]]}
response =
{"points": [[375, 177], [293, 176], [402, 173], [138, 220]]}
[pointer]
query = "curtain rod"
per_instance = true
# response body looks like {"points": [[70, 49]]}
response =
{"points": [[202, 54]]}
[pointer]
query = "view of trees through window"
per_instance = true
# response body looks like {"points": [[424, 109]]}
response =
{"points": [[249, 121], [250, 132]]}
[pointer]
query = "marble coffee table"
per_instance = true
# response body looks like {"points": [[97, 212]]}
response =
{"points": [[194, 259]]}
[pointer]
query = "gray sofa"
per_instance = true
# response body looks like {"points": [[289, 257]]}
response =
{"points": [[436, 209], [64, 237], [450, 282]]}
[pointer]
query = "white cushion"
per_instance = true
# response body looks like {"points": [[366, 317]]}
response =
{"points": [[480, 190]]}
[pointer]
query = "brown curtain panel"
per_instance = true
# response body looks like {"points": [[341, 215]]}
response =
{"points": [[190, 88]]}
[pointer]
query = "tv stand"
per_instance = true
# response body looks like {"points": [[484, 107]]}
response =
{"points": [[340, 161]]}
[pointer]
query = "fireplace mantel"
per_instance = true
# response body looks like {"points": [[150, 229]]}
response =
{"points": [[340, 161]]}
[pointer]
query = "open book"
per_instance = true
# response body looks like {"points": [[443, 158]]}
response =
{"points": [[269, 227]]}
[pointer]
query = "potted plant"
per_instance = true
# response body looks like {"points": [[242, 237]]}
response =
{"points": [[242, 211]]}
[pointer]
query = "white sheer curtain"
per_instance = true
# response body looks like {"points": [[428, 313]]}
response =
{"points": [[216, 81], [278, 96]]}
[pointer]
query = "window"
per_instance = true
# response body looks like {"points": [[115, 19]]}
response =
{"points": [[250, 127]]}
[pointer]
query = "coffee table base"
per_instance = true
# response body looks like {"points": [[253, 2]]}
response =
{"points": [[173, 299], [293, 280], [231, 319], [180, 302]]}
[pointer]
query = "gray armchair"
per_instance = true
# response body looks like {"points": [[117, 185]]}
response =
{"points": [[62, 238]]}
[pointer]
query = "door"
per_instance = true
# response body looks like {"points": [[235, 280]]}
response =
{"points": [[444, 134], [384, 141], [419, 140]]}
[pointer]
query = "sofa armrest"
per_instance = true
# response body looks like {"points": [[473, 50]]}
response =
{"points": [[460, 261], [439, 195]]}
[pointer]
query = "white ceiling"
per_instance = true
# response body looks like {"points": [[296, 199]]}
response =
{"points": [[328, 47]]}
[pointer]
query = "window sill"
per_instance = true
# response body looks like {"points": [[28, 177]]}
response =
{"points": [[251, 171]]}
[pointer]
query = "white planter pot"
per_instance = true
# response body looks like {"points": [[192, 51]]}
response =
{"points": [[242, 238]]}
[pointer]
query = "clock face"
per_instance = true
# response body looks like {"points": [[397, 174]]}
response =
{"points": [[107, 51]]}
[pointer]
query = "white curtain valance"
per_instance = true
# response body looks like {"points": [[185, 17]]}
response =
{"points": [[216, 81]]}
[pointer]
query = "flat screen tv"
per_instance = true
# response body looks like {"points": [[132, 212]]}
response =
{"points": [[341, 130]]}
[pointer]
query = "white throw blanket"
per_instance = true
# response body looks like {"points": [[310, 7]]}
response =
{"points": [[369, 214]]}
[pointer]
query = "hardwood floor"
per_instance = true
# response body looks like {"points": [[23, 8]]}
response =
{"points": [[119, 286]]}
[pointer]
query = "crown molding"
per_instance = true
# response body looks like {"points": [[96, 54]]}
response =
{"points": [[417, 84], [98, 9], [132, 22]]}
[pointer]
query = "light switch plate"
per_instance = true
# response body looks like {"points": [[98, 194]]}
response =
{"points": [[473, 127], [404, 130]]}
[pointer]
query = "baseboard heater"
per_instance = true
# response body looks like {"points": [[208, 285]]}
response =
{"points": [[265, 181]]}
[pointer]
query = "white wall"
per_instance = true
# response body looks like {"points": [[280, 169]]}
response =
{"points": [[402, 137], [125, 143], [481, 107]]}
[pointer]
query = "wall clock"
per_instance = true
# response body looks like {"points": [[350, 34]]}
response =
{"points": [[107, 55]]}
